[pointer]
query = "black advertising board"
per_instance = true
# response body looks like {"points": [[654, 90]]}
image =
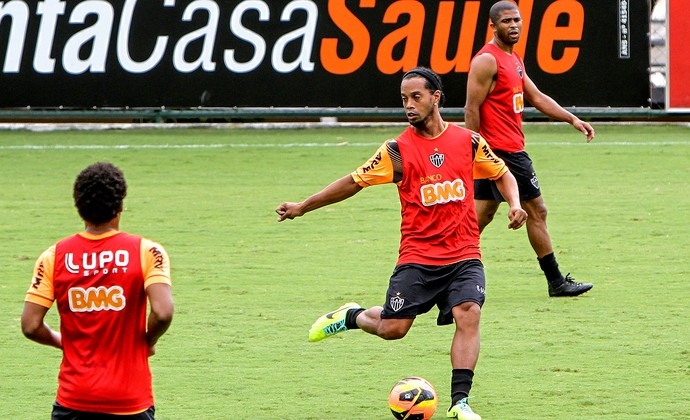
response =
{"points": [[337, 53]]}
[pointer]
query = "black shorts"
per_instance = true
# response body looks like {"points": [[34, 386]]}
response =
{"points": [[414, 289], [520, 165], [64, 413]]}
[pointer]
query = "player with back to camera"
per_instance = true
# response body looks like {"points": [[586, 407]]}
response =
{"points": [[497, 87], [433, 163], [101, 280]]}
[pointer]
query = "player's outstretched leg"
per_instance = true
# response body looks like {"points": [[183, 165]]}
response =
{"points": [[330, 324], [461, 410]]}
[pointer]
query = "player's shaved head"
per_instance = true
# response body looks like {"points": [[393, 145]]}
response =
{"points": [[497, 8]]}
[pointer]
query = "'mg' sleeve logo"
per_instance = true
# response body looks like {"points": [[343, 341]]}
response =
{"points": [[96, 299], [442, 192]]}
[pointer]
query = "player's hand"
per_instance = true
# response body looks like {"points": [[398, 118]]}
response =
{"points": [[152, 350], [517, 217], [288, 211], [585, 128]]}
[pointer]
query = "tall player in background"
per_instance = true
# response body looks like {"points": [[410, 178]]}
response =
{"points": [[101, 280], [433, 164], [497, 87]]}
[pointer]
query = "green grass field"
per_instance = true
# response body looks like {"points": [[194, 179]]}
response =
{"points": [[247, 288]]}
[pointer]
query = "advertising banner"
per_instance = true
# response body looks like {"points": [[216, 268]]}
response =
{"points": [[328, 53]]}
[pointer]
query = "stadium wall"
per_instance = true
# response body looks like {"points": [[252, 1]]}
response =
{"points": [[225, 60]]}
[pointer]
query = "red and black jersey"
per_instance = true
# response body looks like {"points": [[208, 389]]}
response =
{"points": [[435, 179]]}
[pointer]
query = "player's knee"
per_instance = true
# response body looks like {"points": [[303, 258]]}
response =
{"points": [[393, 332], [467, 315], [536, 209], [539, 213], [473, 312], [393, 335]]}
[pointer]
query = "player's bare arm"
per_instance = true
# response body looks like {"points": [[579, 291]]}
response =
{"points": [[550, 107], [35, 329], [338, 190], [509, 190], [480, 82], [160, 315]]}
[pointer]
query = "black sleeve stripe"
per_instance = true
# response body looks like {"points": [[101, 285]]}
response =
{"points": [[475, 144], [394, 153]]}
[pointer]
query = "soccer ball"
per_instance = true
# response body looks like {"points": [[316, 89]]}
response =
{"points": [[413, 399]]}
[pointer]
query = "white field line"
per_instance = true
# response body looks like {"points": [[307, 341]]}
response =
{"points": [[48, 127], [297, 145]]}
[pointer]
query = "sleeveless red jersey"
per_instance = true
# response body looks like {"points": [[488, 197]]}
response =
{"points": [[501, 112], [99, 289]]}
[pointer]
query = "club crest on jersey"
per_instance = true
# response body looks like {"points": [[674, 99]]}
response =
{"points": [[519, 71], [437, 159], [397, 303]]}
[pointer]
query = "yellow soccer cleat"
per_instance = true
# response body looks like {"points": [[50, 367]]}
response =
{"points": [[330, 324], [461, 410]]}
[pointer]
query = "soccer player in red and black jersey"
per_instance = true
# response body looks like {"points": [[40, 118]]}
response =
{"points": [[497, 88], [433, 163], [101, 280]]}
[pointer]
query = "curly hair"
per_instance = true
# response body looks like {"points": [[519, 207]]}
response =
{"points": [[99, 191]]}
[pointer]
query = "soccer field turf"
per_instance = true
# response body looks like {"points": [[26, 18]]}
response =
{"points": [[247, 288]]}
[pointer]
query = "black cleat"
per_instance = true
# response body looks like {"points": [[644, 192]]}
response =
{"points": [[568, 287]]}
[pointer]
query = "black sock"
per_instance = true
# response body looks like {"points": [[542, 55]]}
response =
{"points": [[549, 266], [460, 384], [351, 318]]}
